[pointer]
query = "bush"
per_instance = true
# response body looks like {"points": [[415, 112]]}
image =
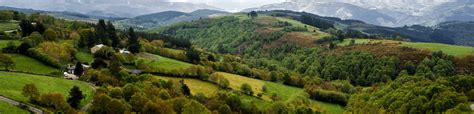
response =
{"points": [[246, 89], [32, 52], [329, 96]]}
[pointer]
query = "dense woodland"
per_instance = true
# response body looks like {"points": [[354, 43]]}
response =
{"points": [[360, 80]]}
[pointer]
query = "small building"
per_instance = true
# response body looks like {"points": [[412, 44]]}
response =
{"points": [[124, 51], [69, 74], [97, 48]]}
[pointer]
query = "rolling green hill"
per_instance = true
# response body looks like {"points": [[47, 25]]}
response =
{"points": [[160, 62], [30, 65], [11, 85]]}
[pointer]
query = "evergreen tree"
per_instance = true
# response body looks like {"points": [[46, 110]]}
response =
{"points": [[79, 69], [112, 34], [134, 45], [26, 27], [40, 27], [185, 88], [101, 32], [75, 97]]}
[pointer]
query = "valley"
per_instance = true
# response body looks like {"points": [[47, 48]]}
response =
{"points": [[210, 61]]}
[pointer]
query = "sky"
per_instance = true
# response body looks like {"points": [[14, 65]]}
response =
{"points": [[233, 5]]}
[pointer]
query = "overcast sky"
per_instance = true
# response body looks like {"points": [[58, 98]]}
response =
{"points": [[233, 5]]}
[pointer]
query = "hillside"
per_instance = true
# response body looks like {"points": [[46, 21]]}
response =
{"points": [[167, 18], [448, 32], [260, 62], [294, 51]]}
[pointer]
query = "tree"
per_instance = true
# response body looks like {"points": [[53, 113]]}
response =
{"points": [[224, 109], [157, 107], [134, 45], [195, 107], [50, 35], [101, 32], [129, 90], [253, 14], [100, 103], [332, 45], [185, 88], [55, 101], [23, 48], [75, 97], [246, 89], [193, 56], [116, 106], [40, 27], [30, 90], [279, 108], [115, 66], [138, 102], [112, 34], [6, 61], [79, 69], [34, 39], [26, 27]]}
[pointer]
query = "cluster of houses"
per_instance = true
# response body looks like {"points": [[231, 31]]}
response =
{"points": [[69, 74]]}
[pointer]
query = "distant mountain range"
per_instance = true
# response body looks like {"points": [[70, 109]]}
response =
{"points": [[167, 18], [383, 12], [107, 8]]}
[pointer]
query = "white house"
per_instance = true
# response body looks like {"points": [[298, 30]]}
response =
{"points": [[69, 74], [124, 51], [97, 48]]}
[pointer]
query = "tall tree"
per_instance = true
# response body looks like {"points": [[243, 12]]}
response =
{"points": [[112, 34], [134, 45], [26, 27], [185, 88], [75, 97], [79, 69], [101, 32]]}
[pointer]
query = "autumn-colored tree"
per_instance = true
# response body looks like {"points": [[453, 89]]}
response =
{"points": [[50, 35], [6, 61], [30, 91]]}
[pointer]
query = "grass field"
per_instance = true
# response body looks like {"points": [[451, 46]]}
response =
{"points": [[196, 86], [4, 43], [161, 62], [84, 57], [175, 51], [285, 92], [30, 65], [4, 26], [454, 50], [6, 108], [11, 85]]}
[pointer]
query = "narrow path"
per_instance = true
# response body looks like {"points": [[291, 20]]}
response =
{"points": [[88, 105], [16, 103]]}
